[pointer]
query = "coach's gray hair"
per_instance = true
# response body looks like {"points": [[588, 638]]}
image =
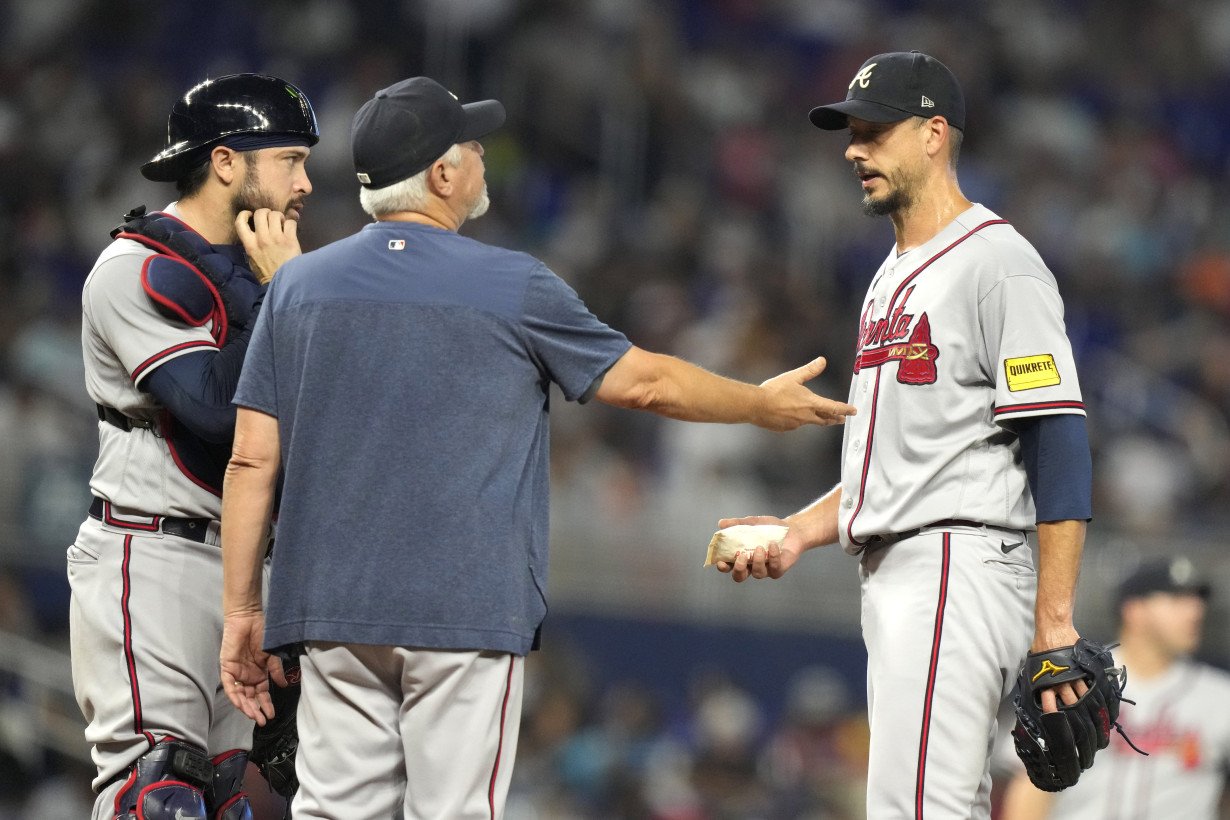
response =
{"points": [[409, 194]]}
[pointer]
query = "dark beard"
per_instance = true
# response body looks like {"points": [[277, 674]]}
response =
{"points": [[901, 198], [898, 200], [249, 196]]}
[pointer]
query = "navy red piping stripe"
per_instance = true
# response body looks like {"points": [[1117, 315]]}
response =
{"points": [[138, 724], [1041, 405], [499, 749], [893, 302], [168, 420], [862, 483], [140, 369], [871, 423], [929, 697], [151, 526], [167, 303]]}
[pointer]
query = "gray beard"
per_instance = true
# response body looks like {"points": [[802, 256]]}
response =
{"points": [[480, 207]]}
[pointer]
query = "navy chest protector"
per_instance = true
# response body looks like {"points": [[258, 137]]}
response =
{"points": [[192, 282], [187, 278]]}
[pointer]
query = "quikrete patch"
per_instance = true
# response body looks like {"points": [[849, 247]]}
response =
{"points": [[1030, 372]]}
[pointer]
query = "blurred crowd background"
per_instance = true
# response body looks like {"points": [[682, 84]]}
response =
{"points": [[659, 158]]}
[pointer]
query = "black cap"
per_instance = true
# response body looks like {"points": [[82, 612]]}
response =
{"points": [[894, 86], [227, 106], [409, 125], [1174, 575]]}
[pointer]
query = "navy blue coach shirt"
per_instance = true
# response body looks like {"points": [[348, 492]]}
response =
{"points": [[408, 368]]}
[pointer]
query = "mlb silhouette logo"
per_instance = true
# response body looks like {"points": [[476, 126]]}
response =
{"points": [[397, 244]]}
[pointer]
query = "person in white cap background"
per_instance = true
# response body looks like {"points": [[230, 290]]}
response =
{"points": [[400, 376], [1180, 715]]}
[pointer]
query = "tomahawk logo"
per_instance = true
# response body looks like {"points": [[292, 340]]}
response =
{"points": [[863, 77]]}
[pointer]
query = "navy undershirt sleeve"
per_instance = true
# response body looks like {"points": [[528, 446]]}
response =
{"points": [[198, 387], [1055, 450]]}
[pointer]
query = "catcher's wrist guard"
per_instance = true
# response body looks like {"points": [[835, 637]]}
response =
{"points": [[1057, 746]]}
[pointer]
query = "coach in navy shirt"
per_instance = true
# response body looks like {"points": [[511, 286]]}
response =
{"points": [[400, 378]]}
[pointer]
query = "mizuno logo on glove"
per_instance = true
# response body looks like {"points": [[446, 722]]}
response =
{"points": [[1047, 666]]}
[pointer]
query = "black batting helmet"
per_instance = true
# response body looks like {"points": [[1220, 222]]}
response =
{"points": [[235, 104]]}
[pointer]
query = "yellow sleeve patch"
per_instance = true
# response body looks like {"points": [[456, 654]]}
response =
{"points": [[1029, 372]]}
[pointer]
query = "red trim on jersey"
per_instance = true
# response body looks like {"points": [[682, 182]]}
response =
{"points": [[129, 658], [862, 483], [871, 424], [140, 369], [924, 736], [179, 462], [1041, 405], [893, 302], [129, 525], [495, 769]]}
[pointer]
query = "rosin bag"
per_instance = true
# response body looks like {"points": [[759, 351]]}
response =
{"points": [[728, 543]]}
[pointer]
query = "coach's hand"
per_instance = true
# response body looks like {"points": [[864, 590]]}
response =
{"points": [[246, 667], [789, 404], [269, 239], [763, 563]]}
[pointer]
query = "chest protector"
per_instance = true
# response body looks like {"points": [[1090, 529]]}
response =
{"points": [[190, 281]]}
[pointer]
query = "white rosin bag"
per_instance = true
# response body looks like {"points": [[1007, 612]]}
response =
{"points": [[728, 543]]}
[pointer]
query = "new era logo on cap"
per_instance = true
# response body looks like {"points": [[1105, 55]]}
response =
{"points": [[894, 86]]}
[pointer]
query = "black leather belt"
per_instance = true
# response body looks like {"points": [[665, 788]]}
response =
{"points": [[880, 540], [194, 529], [126, 423]]}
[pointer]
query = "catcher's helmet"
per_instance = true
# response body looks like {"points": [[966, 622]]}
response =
{"points": [[234, 104]]}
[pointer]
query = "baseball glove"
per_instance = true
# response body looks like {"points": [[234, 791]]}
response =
{"points": [[274, 744], [1057, 746]]}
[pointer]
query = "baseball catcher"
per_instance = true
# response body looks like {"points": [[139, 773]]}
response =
{"points": [[1057, 746]]}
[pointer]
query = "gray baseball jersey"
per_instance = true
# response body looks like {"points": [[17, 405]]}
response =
{"points": [[123, 339], [1180, 719], [145, 620], [957, 337]]}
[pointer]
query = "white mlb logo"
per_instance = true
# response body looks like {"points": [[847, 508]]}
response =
{"points": [[397, 244]]}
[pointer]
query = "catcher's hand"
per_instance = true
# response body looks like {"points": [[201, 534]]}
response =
{"points": [[1056, 746]]}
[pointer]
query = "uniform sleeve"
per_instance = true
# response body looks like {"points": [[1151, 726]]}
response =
{"points": [[1028, 349], [125, 318], [257, 386], [570, 344]]}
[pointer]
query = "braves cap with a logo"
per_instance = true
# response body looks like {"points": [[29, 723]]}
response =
{"points": [[893, 86]]}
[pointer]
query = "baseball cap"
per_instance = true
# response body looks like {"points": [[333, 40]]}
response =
{"points": [[893, 86], [1174, 575], [409, 125]]}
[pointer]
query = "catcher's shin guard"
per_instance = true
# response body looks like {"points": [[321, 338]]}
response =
{"points": [[225, 796], [166, 783]]}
